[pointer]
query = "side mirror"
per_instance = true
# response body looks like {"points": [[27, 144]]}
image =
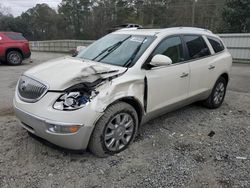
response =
{"points": [[160, 60]]}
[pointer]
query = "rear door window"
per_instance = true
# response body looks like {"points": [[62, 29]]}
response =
{"points": [[15, 36], [216, 44], [197, 47]]}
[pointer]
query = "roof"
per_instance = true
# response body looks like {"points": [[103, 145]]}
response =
{"points": [[166, 31]]}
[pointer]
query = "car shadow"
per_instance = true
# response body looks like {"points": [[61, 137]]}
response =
{"points": [[25, 62], [160, 122]]}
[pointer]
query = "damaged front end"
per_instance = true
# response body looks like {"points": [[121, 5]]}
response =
{"points": [[84, 88], [71, 101]]}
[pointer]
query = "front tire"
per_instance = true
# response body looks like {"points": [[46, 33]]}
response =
{"points": [[14, 58], [217, 95], [115, 130]]}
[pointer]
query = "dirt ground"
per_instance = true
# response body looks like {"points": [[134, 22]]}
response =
{"points": [[191, 147]]}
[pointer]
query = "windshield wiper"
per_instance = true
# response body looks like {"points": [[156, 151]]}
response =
{"points": [[131, 59], [110, 49]]}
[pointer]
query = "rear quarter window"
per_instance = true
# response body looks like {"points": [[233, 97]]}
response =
{"points": [[197, 47], [216, 44], [15, 36]]}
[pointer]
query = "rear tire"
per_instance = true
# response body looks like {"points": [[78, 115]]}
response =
{"points": [[14, 58], [217, 95], [115, 130]]}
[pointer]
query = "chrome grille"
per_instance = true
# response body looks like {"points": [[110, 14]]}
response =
{"points": [[30, 90]]}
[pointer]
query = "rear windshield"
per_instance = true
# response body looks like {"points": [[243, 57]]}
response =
{"points": [[15, 36]]}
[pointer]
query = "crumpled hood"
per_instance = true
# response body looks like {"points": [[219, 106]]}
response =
{"points": [[65, 72]]}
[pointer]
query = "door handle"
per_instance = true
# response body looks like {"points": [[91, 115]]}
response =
{"points": [[211, 67], [184, 74]]}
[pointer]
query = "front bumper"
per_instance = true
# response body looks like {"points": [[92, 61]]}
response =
{"points": [[34, 119]]}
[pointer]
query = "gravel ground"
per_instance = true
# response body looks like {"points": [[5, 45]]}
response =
{"points": [[191, 147]]}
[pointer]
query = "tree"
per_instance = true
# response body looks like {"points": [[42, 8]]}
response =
{"points": [[76, 14], [6, 19], [38, 23], [236, 16], [42, 20], [91, 19]]}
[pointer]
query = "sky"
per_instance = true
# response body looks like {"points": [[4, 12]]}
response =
{"points": [[19, 6]]}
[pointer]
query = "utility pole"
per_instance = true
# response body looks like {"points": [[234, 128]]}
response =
{"points": [[193, 12]]}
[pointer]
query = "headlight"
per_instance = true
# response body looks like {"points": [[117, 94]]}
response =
{"points": [[71, 101]]}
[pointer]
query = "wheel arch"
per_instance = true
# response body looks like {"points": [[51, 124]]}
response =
{"points": [[135, 104], [225, 76]]}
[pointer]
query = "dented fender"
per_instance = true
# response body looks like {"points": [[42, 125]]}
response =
{"points": [[111, 91]]}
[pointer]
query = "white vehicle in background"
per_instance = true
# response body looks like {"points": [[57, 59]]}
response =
{"points": [[125, 26], [101, 97], [77, 50]]}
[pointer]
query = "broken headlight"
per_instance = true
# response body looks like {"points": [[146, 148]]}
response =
{"points": [[71, 101]]}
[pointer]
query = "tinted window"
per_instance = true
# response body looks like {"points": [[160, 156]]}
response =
{"points": [[15, 36], [171, 47], [216, 44], [197, 47]]}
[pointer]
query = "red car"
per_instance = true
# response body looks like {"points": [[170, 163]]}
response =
{"points": [[14, 48]]}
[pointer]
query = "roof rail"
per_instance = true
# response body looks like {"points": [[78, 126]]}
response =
{"points": [[196, 28]]}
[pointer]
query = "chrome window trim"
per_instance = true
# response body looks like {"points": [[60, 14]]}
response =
{"points": [[186, 61]]}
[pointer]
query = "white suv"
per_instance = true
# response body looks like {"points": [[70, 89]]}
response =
{"points": [[99, 98]]}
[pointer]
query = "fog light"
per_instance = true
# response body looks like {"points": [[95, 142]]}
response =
{"points": [[64, 129]]}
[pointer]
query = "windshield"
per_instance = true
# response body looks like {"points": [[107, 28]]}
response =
{"points": [[117, 49]]}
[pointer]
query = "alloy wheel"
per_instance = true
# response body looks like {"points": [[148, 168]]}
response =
{"points": [[219, 93], [14, 59], [119, 132]]}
